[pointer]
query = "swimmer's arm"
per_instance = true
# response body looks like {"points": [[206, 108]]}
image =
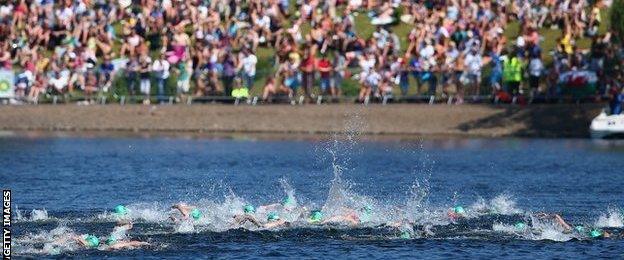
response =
{"points": [[183, 208], [80, 240], [241, 219], [268, 207], [128, 225], [562, 222], [275, 224], [128, 244], [335, 219], [353, 218], [541, 215]]}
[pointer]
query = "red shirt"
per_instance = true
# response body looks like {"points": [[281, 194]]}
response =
{"points": [[308, 64], [324, 64]]}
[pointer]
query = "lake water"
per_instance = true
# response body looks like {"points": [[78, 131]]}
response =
{"points": [[65, 186]]}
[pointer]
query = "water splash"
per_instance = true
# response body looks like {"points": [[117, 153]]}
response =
{"points": [[614, 218], [39, 215], [53, 242], [503, 204], [547, 229]]}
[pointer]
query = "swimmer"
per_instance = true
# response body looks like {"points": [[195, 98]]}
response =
{"points": [[118, 239], [273, 219], [317, 217], [120, 211], [187, 211], [599, 233], [247, 216], [354, 217], [557, 218], [405, 235], [456, 213], [113, 243], [520, 226], [594, 233], [287, 204], [121, 228], [249, 209], [87, 241]]}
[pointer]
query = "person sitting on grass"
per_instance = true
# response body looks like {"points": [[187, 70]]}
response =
{"points": [[239, 91], [271, 89]]}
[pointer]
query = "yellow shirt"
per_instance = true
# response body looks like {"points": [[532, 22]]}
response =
{"points": [[566, 41]]}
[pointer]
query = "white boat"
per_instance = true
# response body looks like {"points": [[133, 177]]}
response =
{"points": [[607, 126]]}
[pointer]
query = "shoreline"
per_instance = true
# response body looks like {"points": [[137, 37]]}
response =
{"points": [[394, 121]]}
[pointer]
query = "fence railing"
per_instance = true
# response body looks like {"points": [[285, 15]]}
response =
{"points": [[284, 99]]}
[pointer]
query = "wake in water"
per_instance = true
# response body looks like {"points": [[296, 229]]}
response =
{"points": [[150, 225], [343, 214]]}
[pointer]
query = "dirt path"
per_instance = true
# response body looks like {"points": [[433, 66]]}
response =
{"points": [[396, 119]]}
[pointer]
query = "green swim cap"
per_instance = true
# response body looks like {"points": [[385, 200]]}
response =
{"points": [[111, 240], [288, 201], [249, 209], [405, 235], [196, 214], [459, 210], [273, 216], [595, 233], [520, 225], [580, 229], [121, 210], [92, 241], [316, 216]]}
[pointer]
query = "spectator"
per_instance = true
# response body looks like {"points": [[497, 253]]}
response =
{"points": [[325, 70], [58, 83], [116, 36], [184, 70], [616, 96], [339, 74], [145, 73], [308, 70], [229, 73], [160, 68], [536, 67], [512, 73], [248, 63], [132, 73], [107, 70]]}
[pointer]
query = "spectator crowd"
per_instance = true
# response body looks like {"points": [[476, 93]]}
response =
{"points": [[457, 49]]}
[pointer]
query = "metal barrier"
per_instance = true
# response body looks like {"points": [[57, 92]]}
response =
{"points": [[278, 99]]}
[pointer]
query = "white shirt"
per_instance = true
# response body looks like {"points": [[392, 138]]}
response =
{"points": [[373, 78], [64, 14], [58, 83], [249, 64], [473, 63], [536, 67], [161, 65], [367, 64], [427, 52], [263, 22]]}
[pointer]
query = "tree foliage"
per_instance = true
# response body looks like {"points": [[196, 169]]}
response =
{"points": [[617, 18]]}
